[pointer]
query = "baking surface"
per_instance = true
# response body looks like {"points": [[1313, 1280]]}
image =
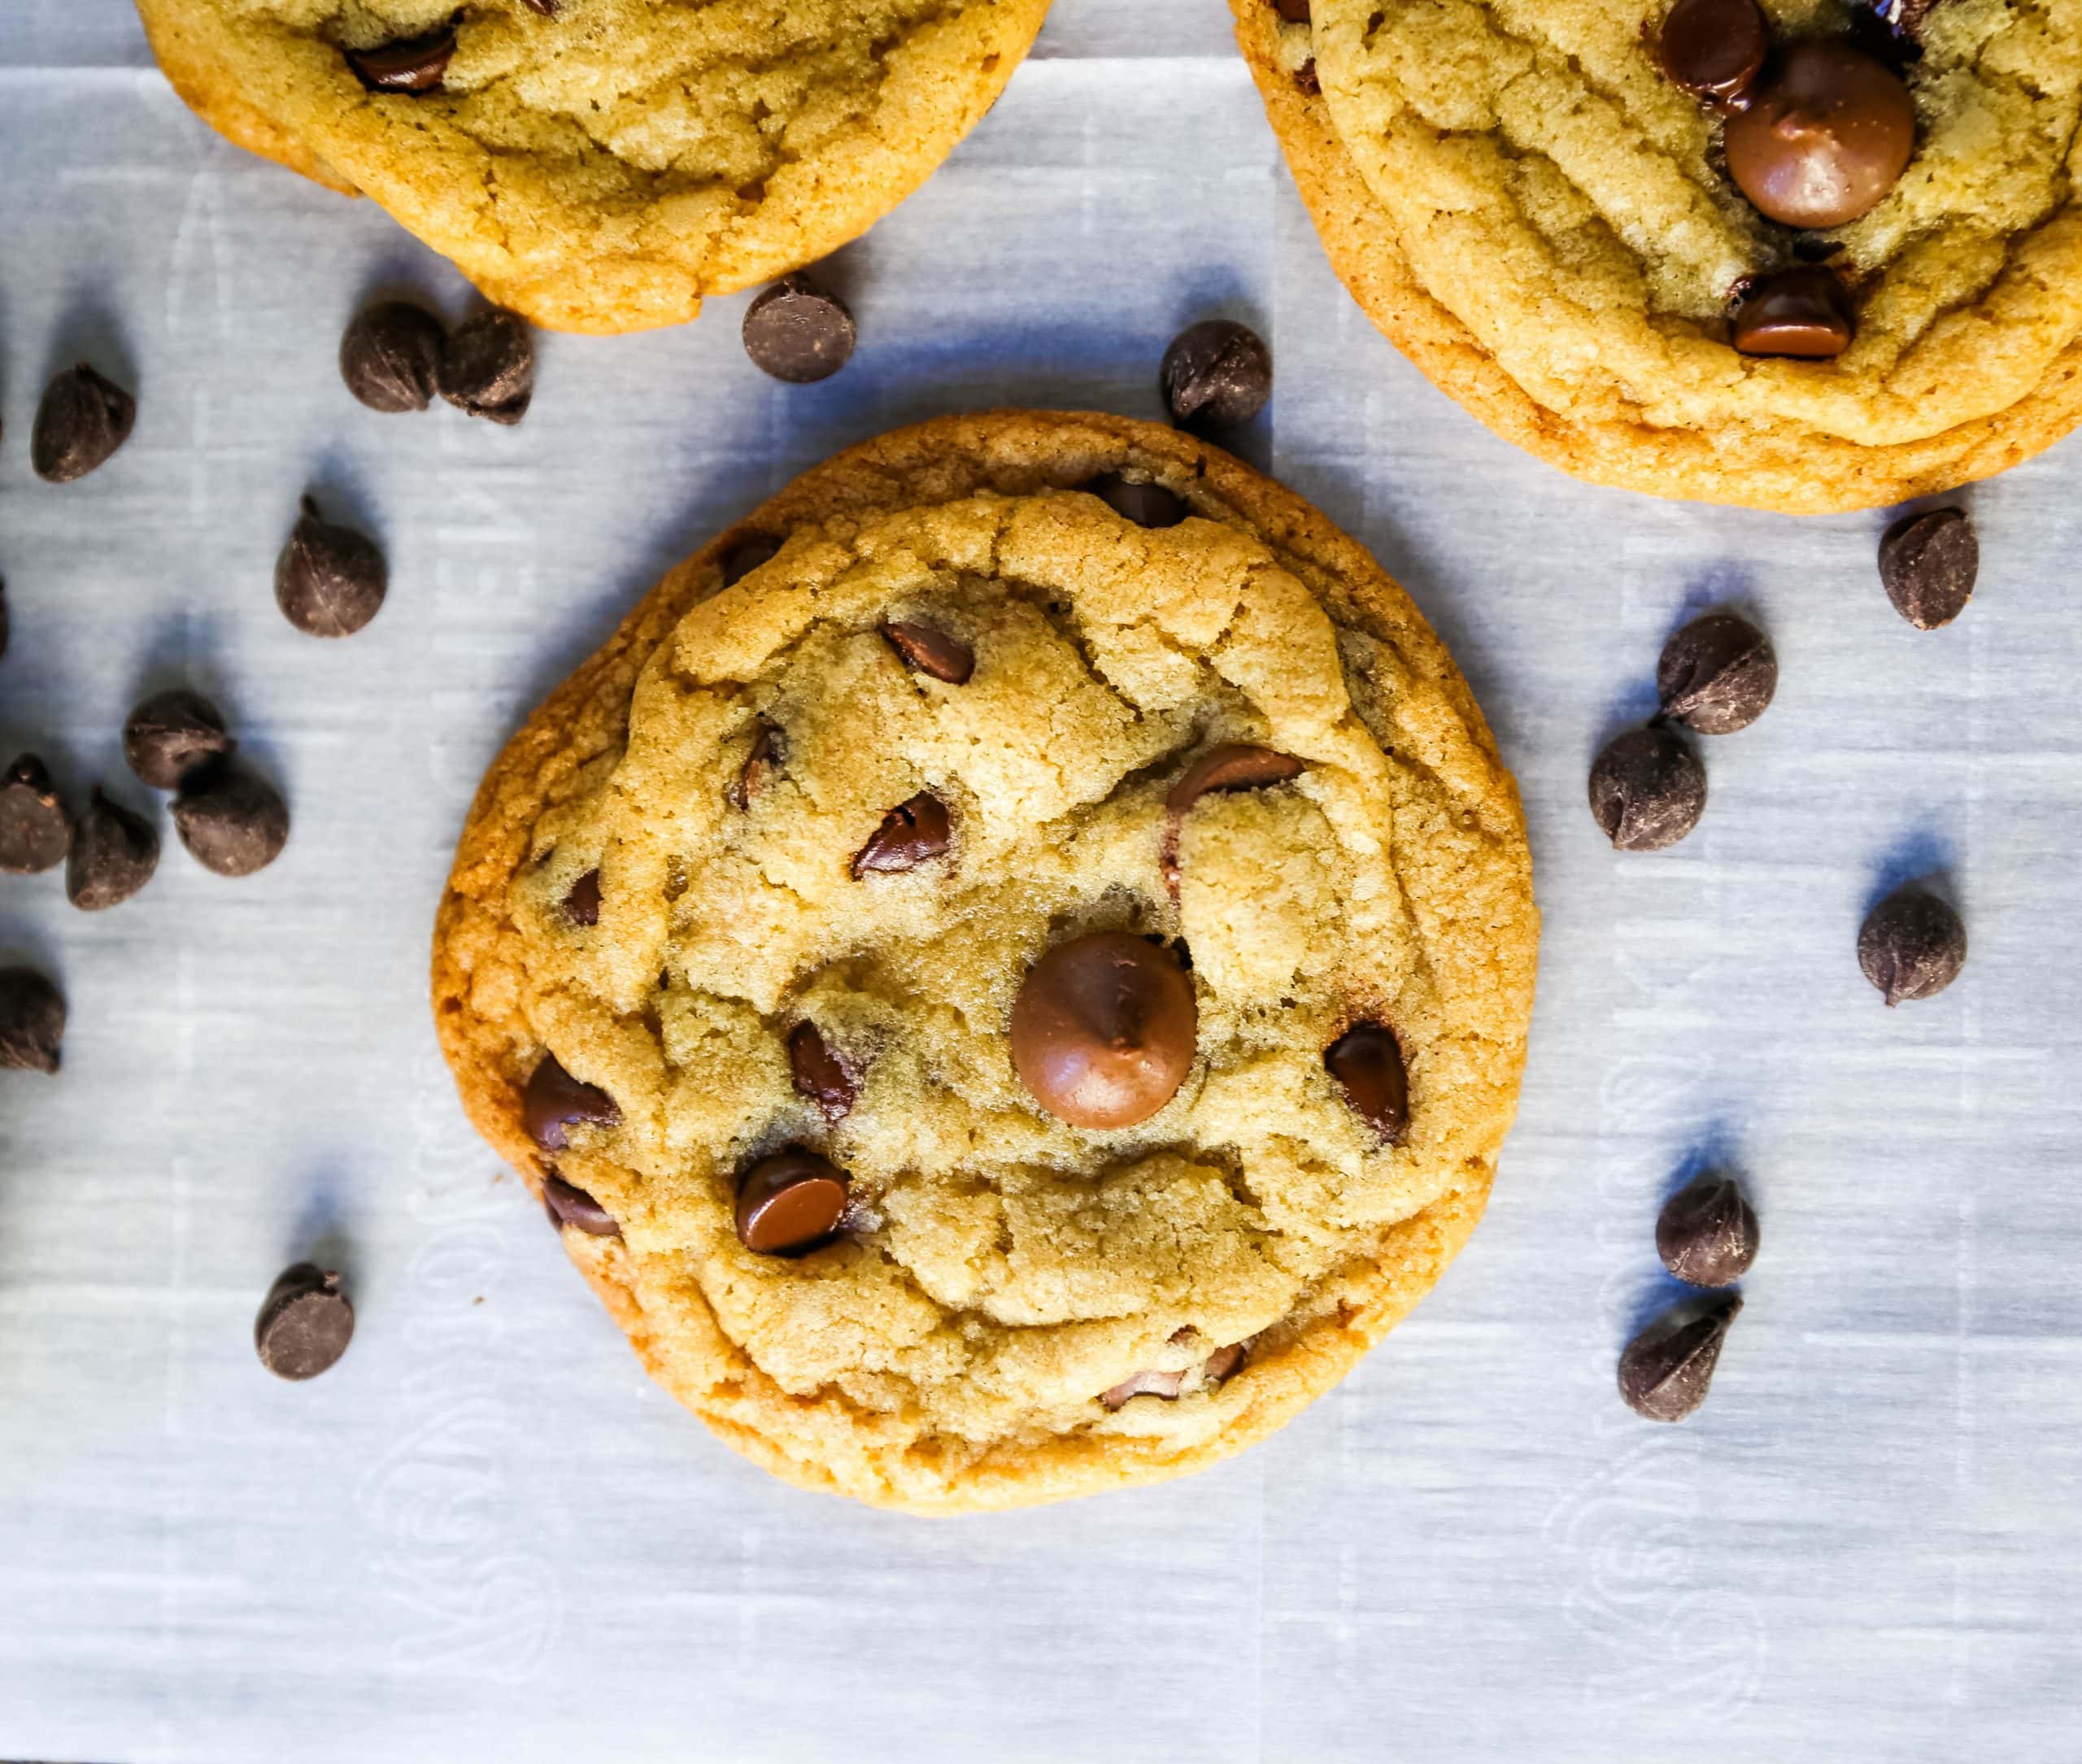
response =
{"points": [[485, 1535]]}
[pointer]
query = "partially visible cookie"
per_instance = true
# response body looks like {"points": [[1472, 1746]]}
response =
{"points": [[1011, 970], [1548, 223], [602, 165]]}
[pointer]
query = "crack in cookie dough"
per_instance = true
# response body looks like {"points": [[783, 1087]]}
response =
{"points": [[1013, 1308]]}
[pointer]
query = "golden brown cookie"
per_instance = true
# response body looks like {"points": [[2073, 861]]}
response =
{"points": [[1520, 197], [601, 165], [1011, 968]]}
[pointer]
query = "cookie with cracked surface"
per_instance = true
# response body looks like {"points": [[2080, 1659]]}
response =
{"points": [[981, 1105], [1529, 205], [602, 165]]}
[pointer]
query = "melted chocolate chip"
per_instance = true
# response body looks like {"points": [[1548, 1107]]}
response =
{"points": [[1706, 1233], [765, 759], [1367, 1062], [1911, 946], [554, 1102], [1105, 1030], [172, 732], [1217, 1368], [932, 652], [910, 833], [232, 821], [1929, 564], [305, 1323], [1216, 375], [1825, 138], [1146, 504], [391, 356], [1234, 765], [569, 1205], [35, 831], [1716, 675], [790, 1203], [411, 64], [1715, 49], [1648, 791], [114, 854], [820, 1075], [32, 1022], [1664, 1372], [798, 332], [1802, 315], [329, 581], [84, 418], [581, 901]]}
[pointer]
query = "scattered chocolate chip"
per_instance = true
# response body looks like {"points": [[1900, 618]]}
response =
{"points": [[555, 1101], [1105, 1030], [391, 356], [1706, 1233], [932, 652], [1216, 374], [821, 1076], [171, 733], [1800, 314], [1234, 765], [232, 821], [910, 834], [581, 901], [32, 1022], [798, 332], [413, 64], [1715, 49], [1304, 78], [1826, 136], [766, 758], [1664, 1372], [114, 854], [747, 556], [1911, 946], [790, 1203], [1146, 504], [35, 832], [329, 581], [1217, 1368], [1367, 1062], [569, 1204], [488, 366], [1648, 791], [305, 1323], [84, 418], [1293, 11], [1929, 564], [1716, 675]]}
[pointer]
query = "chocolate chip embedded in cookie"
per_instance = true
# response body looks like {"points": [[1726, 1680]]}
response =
{"points": [[1103, 1030], [790, 1203], [1715, 49], [1825, 138]]}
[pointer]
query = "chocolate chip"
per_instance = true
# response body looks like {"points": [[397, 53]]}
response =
{"points": [[305, 1323], [1929, 564], [171, 733], [1826, 136], [114, 854], [790, 1203], [555, 1101], [1217, 1368], [1911, 946], [1802, 315], [329, 581], [820, 1075], [488, 366], [798, 332], [1293, 11], [232, 821], [1105, 1030], [910, 834], [414, 65], [581, 901], [1713, 49], [569, 1204], [1664, 1371], [84, 418], [1304, 78], [1706, 1233], [32, 1022], [766, 758], [742, 559], [1367, 1062], [1716, 675], [1234, 765], [35, 832], [1146, 504], [391, 356], [1648, 791], [932, 652], [548, 8], [1216, 374]]}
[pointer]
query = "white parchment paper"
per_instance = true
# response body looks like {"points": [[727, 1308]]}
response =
{"points": [[487, 1536]]}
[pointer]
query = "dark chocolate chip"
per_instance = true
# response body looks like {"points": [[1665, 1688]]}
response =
{"points": [[114, 854], [747, 556], [1304, 78], [305, 1323], [32, 1022], [1216, 374], [84, 418], [1293, 11], [412, 64], [1105, 1030], [1146, 504], [767, 757], [790, 1203], [232, 821], [329, 580], [1826, 136], [1911, 946], [1367, 1062], [35, 831], [569, 1204], [1715, 49], [1716, 675], [1803, 314], [581, 901], [1664, 1371], [488, 366], [1706, 1233], [910, 833], [1929, 564], [171, 733], [1234, 765], [931, 651], [821, 1076], [391, 356], [1648, 791], [554, 1102], [798, 332]]}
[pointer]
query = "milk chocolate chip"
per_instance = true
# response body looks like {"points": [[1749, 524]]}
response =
{"points": [[1367, 1062], [555, 1101], [581, 901], [1803, 314], [931, 651], [411, 64], [1104, 1029], [569, 1204], [1234, 765], [1827, 136], [305, 1323], [910, 833], [760, 763], [790, 1203]]}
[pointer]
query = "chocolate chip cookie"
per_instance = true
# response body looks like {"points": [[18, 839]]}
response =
{"points": [[1010, 972], [600, 165], [1803, 256]]}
